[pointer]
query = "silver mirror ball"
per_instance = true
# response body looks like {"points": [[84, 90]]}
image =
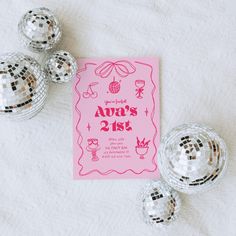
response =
{"points": [[39, 30], [60, 66], [23, 86], [192, 157], [161, 204]]}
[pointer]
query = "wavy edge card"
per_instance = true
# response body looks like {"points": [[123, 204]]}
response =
{"points": [[116, 118]]}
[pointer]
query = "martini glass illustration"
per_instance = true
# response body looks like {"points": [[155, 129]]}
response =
{"points": [[90, 93], [140, 88]]}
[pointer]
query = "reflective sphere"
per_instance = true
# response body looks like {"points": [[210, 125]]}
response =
{"points": [[192, 157], [161, 204], [23, 86], [39, 30], [60, 66]]}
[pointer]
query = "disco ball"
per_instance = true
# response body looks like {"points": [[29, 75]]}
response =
{"points": [[23, 86], [160, 203], [39, 30], [60, 66], [192, 157], [114, 87]]}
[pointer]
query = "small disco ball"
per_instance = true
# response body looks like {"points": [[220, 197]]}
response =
{"points": [[39, 30], [114, 87], [23, 86], [160, 203], [60, 66], [192, 157]]}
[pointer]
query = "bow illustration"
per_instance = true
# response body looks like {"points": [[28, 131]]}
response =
{"points": [[123, 68]]}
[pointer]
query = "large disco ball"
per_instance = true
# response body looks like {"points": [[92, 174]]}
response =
{"points": [[23, 86], [192, 157], [160, 203], [39, 30], [60, 66]]}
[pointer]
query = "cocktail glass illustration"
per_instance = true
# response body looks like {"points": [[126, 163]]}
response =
{"points": [[142, 147], [141, 151], [90, 93], [93, 147], [140, 88]]}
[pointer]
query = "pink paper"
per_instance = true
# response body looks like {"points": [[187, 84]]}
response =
{"points": [[116, 118]]}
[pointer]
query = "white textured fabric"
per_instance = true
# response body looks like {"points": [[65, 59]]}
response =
{"points": [[196, 41]]}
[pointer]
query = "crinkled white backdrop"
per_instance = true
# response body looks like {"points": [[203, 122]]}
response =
{"points": [[196, 41]]}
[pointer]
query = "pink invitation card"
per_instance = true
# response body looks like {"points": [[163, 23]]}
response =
{"points": [[116, 118]]}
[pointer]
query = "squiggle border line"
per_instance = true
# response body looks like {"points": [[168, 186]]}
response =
{"points": [[80, 138]]}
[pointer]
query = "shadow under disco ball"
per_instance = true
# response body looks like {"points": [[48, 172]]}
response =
{"points": [[23, 86], [39, 30], [161, 204], [192, 157]]}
